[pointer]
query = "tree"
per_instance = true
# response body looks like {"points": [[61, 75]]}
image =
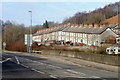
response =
{"points": [[1, 22], [35, 28], [95, 18], [46, 24], [80, 17], [51, 24], [109, 12], [66, 20]]}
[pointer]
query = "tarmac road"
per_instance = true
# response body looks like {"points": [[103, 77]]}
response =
{"points": [[17, 66]]}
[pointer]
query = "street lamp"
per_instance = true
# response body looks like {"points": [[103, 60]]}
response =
{"points": [[30, 32], [30, 20]]}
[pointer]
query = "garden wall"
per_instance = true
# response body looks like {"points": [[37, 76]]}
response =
{"points": [[100, 58]]}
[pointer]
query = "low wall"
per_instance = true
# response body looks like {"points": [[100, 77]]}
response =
{"points": [[105, 59]]}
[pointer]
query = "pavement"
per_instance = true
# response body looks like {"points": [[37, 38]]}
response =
{"points": [[24, 66]]}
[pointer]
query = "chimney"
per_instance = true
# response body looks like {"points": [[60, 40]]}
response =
{"points": [[85, 25], [96, 25], [90, 25], [81, 25], [76, 25], [103, 25]]}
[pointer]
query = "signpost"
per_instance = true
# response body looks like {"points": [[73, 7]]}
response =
{"points": [[28, 42]]}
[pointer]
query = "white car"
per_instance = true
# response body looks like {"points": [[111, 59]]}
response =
{"points": [[118, 40], [117, 50], [113, 50]]}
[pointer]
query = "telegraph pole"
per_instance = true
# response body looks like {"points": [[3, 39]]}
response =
{"points": [[0, 39]]}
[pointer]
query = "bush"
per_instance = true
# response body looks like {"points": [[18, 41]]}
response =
{"points": [[88, 51], [101, 51], [42, 47], [34, 45], [16, 46]]}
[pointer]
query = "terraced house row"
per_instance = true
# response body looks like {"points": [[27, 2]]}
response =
{"points": [[87, 34]]}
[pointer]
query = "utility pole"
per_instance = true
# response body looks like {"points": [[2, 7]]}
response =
{"points": [[0, 39]]}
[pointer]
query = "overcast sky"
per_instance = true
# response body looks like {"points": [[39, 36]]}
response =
{"points": [[41, 11]]}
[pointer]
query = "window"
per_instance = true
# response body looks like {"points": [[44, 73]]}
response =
{"points": [[107, 50], [118, 40], [118, 50], [114, 49], [81, 40], [111, 50]]}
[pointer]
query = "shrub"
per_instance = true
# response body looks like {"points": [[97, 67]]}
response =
{"points": [[88, 51], [42, 47], [16, 46], [101, 51]]}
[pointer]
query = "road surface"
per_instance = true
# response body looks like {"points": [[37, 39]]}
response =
{"points": [[18, 66]]}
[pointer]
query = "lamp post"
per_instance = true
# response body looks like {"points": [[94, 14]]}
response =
{"points": [[30, 32], [30, 20]]}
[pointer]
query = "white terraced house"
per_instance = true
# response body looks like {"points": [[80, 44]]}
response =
{"points": [[86, 34]]}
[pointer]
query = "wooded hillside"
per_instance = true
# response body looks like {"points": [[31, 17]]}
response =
{"points": [[97, 16]]}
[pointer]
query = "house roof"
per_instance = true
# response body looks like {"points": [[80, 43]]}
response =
{"points": [[50, 30], [88, 30], [75, 29]]}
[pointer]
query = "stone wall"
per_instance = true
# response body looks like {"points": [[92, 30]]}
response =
{"points": [[105, 59]]}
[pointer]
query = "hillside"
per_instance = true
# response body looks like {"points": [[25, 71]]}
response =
{"points": [[97, 16], [113, 20]]}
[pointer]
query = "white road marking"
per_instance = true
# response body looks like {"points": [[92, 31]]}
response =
{"points": [[32, 69], [54, 66], [53, 76], [75, 72], [5, 60], [34, 61], [82, 73], [43, 63], [72, 71], [95, 77], [38, 71], [17, 60], [24, 66]]}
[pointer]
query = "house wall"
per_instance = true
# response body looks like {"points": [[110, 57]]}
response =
{"points": [[89, 39], [107, 33]]}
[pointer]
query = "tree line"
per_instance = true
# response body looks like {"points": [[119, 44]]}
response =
{"points": [[13, 34], [97, 16]]}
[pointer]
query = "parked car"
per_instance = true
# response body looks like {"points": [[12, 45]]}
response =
{"points": [[113, 50], [118, 40]]}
